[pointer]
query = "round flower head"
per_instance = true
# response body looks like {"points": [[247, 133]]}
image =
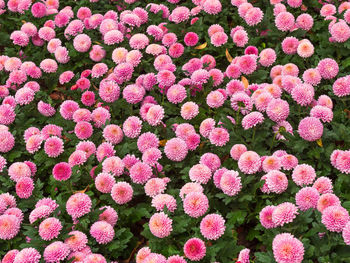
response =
{"points": [[113, 165], [321, 112], [249, 162], [346, 233], [287, 249], [323, 185], [303, 174], [76, 241], [53, 146], [176, 259], [328, 68], [7, 141], [50, 228], [230, 183], [290, 45], [219, 136], [341, 86], [288, 162], [244, 255], [327, 200], [82, 43], [237, 150], [94, 258], [109, 215], [303, 94], [162, 201], [276, 181], [176, 149], [122, 192], [195, 248], [305, 48], [24, 187], [247, 64], [154, 115], [138, 41], [9, 257], [253, 16], [155, 186], [113, 134], [132, 127], [78, 205], [160, 225], [212, 226], [267, 57], [100, 116], [140, 173], [284, 213], [191, 39], [176, 94], [265, 216], [252, 119], [211, 160], [7, 114], [200, 173], [68, 108], [335, 218], [340, 31], [9, 226], [306, 198], [310, 129], [102, 231], [104, 182], [29, 255], [271, 163], [284, 21], [56, 252], [19, 170], [195, 204], [240, 101]]}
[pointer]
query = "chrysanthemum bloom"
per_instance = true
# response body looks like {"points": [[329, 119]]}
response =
{"points": [[335, 218], [340, 31], [53, 146], [219, 136], [267, 57], [305, 48], [7, 114], [206, 127], [138, 41], [24, 187], [142, 254], [162, 201], [290, 45], [56, 252], [9, 257], [109, 90], [140, 173], [113, 134], [190, 187], [109, 215], [195, 248], [9, 226], [155, 186], [68, 108], [265, 217], [29, 255], [160, 225], [195, 204], [211, 160], [310, 129], [176, 94], [104, 182], [237, 150], [303, 174], [271, 163], [341, 86], [83, 130], [95, 258], [253, 16], [284, 21], [155, 115], [249, 162], [230, 183], [19, 38], [50, 228], [104, 150], [327, 200], [342, 162], [191, 39], [303, 94], [287, 249], [276, 181], [48, 65], [304, 21], [252, 119], [323, 185], [176, 149], [244, 255], [122, 192], [200, 173], [212, 226], [76, 241], [328, 68], [19, 170], [247, 64], [321, 112], [102, 231], [328, 10], [235, 87], [312, 76], [82, 43], [284, 213], [307, 198], [99, 116], [176, 259], [113, 165], [133, 93], [78, 205]]}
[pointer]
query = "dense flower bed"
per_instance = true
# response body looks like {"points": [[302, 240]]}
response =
{"points": [[174, 131]]}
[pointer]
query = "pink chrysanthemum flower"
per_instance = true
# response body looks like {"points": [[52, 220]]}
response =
{"points": [[252, 119], [195, 248], [290, 45], [340, 31], [284, 213], [265, 216], [323, 185], [195, 204], [335, 218], [307, 198], [243, 256], [327, 200], [212, 226], [160, 225], [200, 173], [78, 205], [104, 182], [249, 162], [109, 215], [56, 252], [102, 231], [24, 187], [113, 165], [303, 94], [53, 146], [176, 149], [230, 183], [310, 129], [341, 86], [100, 116], [237, 150], [50, 228], [288, 162], [30, 255], [122, 192], [328, 68], [140, 173], [305, 48], [276, 181], [7, 141], [9, 257], [240, 101], [287, 249], [303, 174], [211, 160], [113, 134], [271, 163], [9, 226], [162, 201], [19, 170], [132, 127], [219, 136], [284, 21]]}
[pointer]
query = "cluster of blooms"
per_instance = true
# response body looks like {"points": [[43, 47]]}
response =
{"points": [[115, 75]]}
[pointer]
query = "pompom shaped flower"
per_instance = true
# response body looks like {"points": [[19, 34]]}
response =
{"points": [[249, 162], [287, 249], [50, 228], [189, 110], [284, 21], [200, 173], [9, 226], [195, 248], [56, 252], [265, 216], [219, 137], [24, 187], [307, 198], [78, 205], [290, 45], [132, 127], [160, 225], [276, 181], [212, 226], [230, 183], [303, 94], [53, 146], [195, 204], [341, 87], [155, 115], [277, 110], [340, 31], [252, 119], [122, 192], [335, 218], [310, 129], [162, 201], [104, 182], [82, 43], [323, 185], [176, 149], [305, 48], [303, 174], [140, 173], [102, 231], [28, 255], [284, 213], [76, 241], [328, 68]]}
